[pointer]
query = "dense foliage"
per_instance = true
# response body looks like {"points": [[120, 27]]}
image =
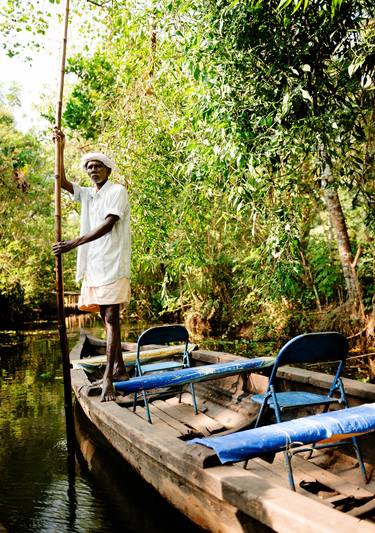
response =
{"points": [[26, 224], [244, 131]]}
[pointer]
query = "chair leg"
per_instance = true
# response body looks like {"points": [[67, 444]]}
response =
{"points": [[288, 464], [325, 410], [355, 442], [192, 390], [136, 373], [262, 412], [276, 406], [147, 406], [358, 453]]}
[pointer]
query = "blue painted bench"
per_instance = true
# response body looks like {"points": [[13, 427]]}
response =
{"points": [[192, 375], [334, 425]]}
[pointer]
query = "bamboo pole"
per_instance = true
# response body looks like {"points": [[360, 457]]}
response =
{"points": [[59, 154]]}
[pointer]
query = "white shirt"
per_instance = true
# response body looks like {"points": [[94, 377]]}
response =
{"points": [[106, 259]]}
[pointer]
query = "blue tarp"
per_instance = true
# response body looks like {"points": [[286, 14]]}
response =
{"points": [[192, 375], [276, 437]]}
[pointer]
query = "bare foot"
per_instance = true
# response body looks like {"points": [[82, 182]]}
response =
{"points": [[108, 392]]}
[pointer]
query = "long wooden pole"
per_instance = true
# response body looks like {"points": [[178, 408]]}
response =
{"points": [[59, 154]]}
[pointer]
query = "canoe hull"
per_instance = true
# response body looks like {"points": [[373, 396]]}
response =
{"points": [[163, 463], [223, 498]]}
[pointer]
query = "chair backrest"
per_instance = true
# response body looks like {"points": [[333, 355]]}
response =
{"points": [[164, 335], [313, 348]]}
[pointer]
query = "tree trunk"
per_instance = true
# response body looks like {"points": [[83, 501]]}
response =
{"points": [[337, 219]]}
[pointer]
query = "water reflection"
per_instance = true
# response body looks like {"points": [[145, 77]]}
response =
{"points": [[93, 323], [36, 492], [121, 487], [85, 320]]}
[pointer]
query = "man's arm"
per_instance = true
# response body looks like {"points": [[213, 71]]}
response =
{"points": [[66, 184], [65, 246], [59, 137]]}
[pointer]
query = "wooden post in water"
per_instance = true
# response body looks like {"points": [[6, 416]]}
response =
{"points": [[59, 154]]}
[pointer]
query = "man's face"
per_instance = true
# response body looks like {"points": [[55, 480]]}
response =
{"points": [[98, 172]]}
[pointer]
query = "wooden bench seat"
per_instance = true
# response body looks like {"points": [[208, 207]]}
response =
{"points": [[192, 375]]}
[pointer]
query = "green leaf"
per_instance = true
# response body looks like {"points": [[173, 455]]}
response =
{"points": [[306, 95]]}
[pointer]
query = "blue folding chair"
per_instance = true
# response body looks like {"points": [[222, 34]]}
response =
{"points": [[163, 335], [308, 348]]}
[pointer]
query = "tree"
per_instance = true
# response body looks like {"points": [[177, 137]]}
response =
{"points": [[292, 95], [26, 271]]}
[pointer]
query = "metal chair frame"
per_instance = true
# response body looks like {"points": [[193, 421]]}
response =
{"points": [[163, 335], [308, 348]]}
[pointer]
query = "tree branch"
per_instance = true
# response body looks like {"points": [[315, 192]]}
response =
{"points": [[99, 4], [357, 256]]}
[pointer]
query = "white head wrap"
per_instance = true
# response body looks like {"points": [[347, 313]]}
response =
{"points": [[97, 156]]}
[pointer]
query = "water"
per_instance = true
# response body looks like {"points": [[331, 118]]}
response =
{"points": [[36, 492]]}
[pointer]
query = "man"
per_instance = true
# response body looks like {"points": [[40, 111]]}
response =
{"points": [[103, 260]]}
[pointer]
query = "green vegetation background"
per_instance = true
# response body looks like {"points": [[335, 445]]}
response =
{"points": [[232, 123]]}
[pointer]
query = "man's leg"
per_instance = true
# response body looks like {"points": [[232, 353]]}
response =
{"points": [[115, 368]]}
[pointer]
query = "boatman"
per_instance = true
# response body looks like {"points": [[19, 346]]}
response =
{"points": [[103, 259]]}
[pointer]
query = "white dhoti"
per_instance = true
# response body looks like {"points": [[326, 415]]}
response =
{"points": [[91, 298]]}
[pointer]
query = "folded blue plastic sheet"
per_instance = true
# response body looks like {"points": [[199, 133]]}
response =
{"points": [[192, 374], [276, 437]]}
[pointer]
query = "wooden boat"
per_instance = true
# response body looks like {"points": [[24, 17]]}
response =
{"points": [[330, 496]]}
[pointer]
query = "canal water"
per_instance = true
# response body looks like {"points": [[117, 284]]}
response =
{"points": [[36, 492]]}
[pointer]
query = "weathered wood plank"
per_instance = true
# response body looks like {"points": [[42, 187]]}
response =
{"points": [[227, 417], [172, 422], [337, 498], [129, 358], [266, 471], [278, 477], [175, 428], [230, 420], [208, 356], [306, 471], [284, 510], [184, 413], [354, 388], [363, 509], [201, 456], [188, 417], [329, 479]]}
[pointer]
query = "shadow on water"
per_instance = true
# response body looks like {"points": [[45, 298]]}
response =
{"points": [[37, 493]]}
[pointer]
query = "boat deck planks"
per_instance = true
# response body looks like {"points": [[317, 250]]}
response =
{"points": [[227, 417], [311, 517], [305, 470], [184, 413], [363, 509], [175, 429], [279, 477], [183, 429], [181, 417], [334, 482]]}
